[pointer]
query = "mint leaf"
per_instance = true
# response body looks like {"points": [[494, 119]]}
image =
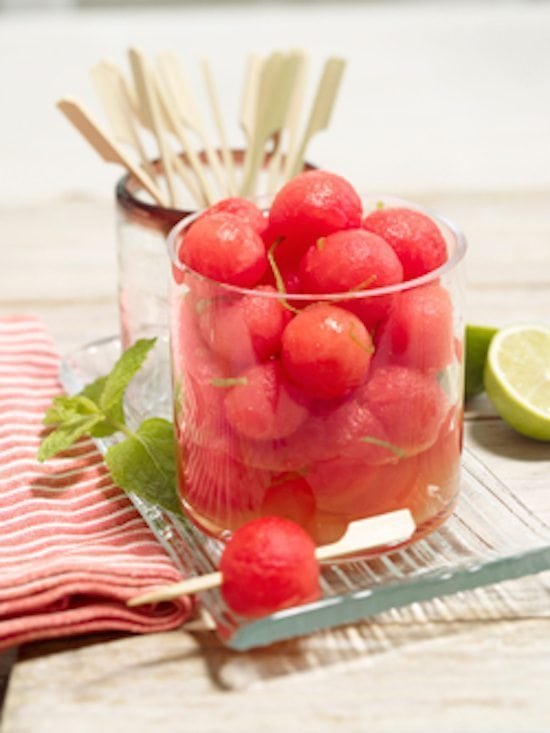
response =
{"points": [[64, 408], [66, 435], [228, 381], [113, 416], [122, 373], [399, 452], [145, 463]]}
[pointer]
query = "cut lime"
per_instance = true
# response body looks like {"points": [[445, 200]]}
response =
{"points": [[478, 339], [517, 378]]}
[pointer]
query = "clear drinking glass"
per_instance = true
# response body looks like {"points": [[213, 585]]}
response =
{"points": [[254, 438]]}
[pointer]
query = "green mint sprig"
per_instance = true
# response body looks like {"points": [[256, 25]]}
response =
{"points": [[144, 461]]}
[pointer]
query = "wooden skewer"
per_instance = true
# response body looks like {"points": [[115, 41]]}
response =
{"points": [[148, 101], [186, 108], [250, 96], [321, 111], [216, 112], [112, 90], [292, 121], [104, 145], [249, 103], [365, 534], [274, 94], [192, 174]]}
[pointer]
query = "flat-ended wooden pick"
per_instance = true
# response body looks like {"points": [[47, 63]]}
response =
{"points": [[321, 111], [148, 100], [276, 83], [104, 145], [186, 109], [365, 534], [112, 90]]}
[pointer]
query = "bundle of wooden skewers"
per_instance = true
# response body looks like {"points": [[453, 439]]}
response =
{"points": [[157, 101]]}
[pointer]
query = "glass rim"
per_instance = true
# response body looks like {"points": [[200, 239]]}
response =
{"points": [[460, 247]]}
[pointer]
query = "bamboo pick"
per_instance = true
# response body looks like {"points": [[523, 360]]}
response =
{"points": [[188, 112], [274, 94], [113, 93], [249, 99], [364, 534], [321, 110], [205, 193], [147, 99], [291, 124], [249, 103], [218, 120], [104, 145]]}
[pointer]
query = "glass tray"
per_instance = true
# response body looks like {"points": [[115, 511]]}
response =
{"points": [[491, 537]]}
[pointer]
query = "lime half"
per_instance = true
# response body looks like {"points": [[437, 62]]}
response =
{"points": [[517, 378], [477, 343]]}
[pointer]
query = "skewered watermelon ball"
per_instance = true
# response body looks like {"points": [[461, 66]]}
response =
{"points": [[262, 405], [410, 405], [225, 248], [418, 332], [267, 565], [326, 351], [243, 208], [312, 205], [247, 329], [349, 260], [416, 239]]}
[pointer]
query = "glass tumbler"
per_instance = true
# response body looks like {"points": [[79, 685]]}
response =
{"points": [[264, 428]]}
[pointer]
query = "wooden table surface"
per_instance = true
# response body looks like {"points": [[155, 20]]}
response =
{"points": [[448, 107]]}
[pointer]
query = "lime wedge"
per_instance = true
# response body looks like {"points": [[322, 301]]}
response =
{"points": [[478, 339], [517, 378]]}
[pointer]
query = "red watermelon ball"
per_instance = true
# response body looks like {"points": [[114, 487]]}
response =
{"points": [[349, 260], [263, 406], [225, 248], [243, 208], [267, 565], [289, 496], [312, 205], [247, 329], [418, 332], [219, 488], [415, 238], [409, 404], [326, 351]]}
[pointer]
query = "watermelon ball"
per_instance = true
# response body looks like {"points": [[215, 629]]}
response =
{"points": [[289, 496], [416, 239], [225, 248], [267, 565], [246, 330], [262, 405], [410, 405], [326, 351], [349, 260], [221, 490], [418, 332], [243, 208], [352, 431], [438, 472], [351, 488], [312, 205]]}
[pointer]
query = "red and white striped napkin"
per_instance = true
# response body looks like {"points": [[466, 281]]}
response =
{"points": [[72, 547]]}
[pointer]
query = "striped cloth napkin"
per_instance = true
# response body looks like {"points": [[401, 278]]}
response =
{"points": [[72, 547]]}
